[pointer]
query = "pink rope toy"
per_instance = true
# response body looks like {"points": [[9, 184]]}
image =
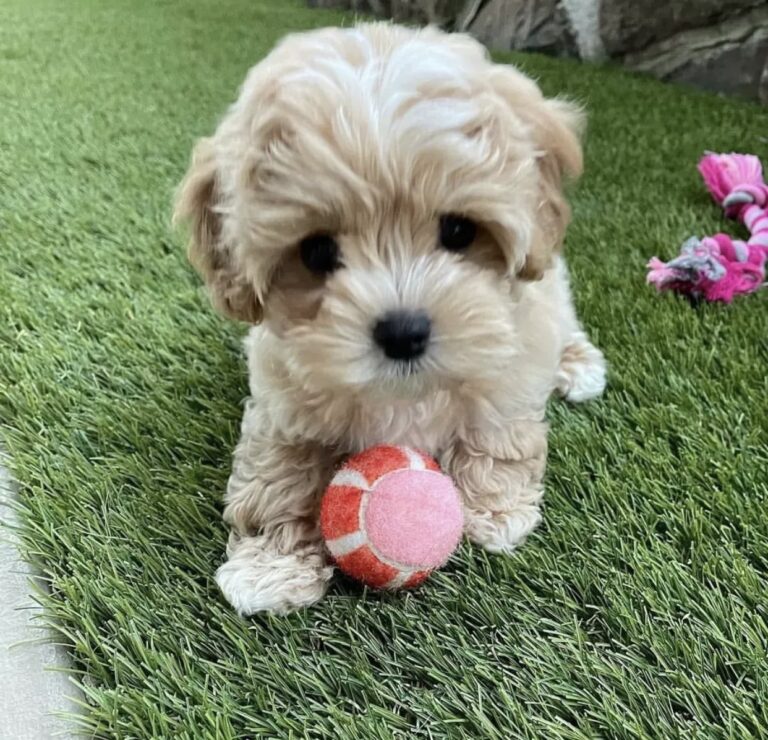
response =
{"points": [[717, 268]]}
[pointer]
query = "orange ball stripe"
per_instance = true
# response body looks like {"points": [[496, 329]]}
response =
{"points": [[374, 463], [416, 579], [340, 511], [364, 565]]}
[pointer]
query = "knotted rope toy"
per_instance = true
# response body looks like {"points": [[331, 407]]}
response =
{"points": [[719, 267]]}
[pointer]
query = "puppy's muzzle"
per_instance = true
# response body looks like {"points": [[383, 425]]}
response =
{"points": [[403, 335]]}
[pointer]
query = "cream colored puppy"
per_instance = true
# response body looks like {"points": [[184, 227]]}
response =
{"points": [[385, 206]]}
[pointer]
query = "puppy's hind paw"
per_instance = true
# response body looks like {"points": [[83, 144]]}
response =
{"points": [[582, 373], [258, 579]]}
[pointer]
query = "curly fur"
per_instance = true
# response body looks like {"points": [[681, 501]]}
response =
{"points": [[370, 134]]}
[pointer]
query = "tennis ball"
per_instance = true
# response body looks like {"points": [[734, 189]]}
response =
{"points": [[390, 517]]}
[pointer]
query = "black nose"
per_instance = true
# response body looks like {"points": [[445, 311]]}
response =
{"points": [[403, 335]]}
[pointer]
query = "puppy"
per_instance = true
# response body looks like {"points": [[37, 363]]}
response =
{"points": [[385, 207]]}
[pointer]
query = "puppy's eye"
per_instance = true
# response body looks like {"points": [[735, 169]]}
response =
{"points": [[320, 254], [456, 232]]}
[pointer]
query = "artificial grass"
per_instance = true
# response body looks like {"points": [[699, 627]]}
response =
{"points": [[637, 610]]}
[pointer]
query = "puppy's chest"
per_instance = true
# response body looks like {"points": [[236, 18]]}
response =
{"points": [[352, 425], [428, 424]]}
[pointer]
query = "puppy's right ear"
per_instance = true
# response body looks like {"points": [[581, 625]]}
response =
{"points": [[198, 204]]}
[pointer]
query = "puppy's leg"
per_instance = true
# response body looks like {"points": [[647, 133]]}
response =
{"points": [[581, 375], [499, 477], [276, 560]]}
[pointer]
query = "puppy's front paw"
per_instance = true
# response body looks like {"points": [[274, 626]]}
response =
{"points": [[581, 376], [501, 494], [256, 578], [502, 531]]}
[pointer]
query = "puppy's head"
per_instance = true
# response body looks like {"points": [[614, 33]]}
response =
{"points": [[375, 195]]}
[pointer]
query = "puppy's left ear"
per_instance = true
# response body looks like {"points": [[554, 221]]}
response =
{"points": [[556, 127], [198, 204]]}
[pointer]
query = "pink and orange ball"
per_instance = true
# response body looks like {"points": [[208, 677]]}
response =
{"points": [[390, 517]]}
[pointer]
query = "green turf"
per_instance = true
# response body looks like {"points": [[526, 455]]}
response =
{"points": [[639, 609]]}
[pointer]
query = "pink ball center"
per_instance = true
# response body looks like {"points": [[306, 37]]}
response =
{"points": [[414, 518]]}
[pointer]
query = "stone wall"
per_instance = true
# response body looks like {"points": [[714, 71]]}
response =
{"points": [[720, 45]]}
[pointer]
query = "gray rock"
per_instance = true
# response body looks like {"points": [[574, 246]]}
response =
{"points": [[501, 24], [584, 19], [631, 25], [343, 4], [539, 25], [720, 45], [440, 12], [731, 56]]}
